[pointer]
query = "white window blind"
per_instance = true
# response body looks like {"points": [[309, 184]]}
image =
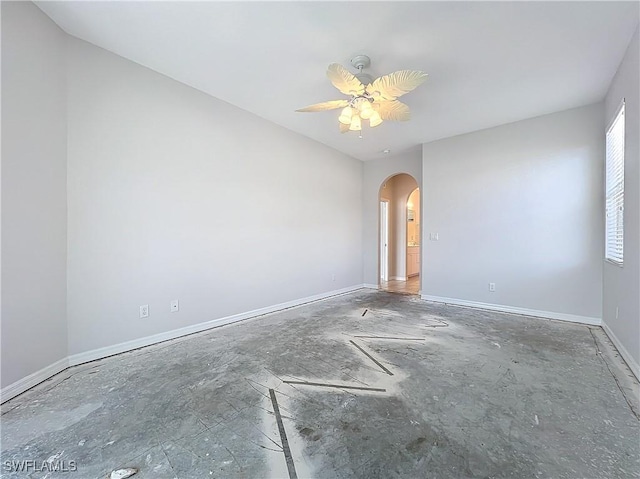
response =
{"points": [[614, 248]]}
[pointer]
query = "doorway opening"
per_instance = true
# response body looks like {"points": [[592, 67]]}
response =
{"points": [[399, 235]]}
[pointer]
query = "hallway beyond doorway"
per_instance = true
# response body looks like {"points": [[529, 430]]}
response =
{"points": [[411, 286]]}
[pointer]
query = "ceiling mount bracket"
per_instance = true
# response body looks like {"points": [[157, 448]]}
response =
{"points": [[361, 61]]}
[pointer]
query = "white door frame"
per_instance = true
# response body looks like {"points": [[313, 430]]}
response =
{"points": [[384, 240]]}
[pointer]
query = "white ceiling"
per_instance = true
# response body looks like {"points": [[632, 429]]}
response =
{"points": [[489, 63]]}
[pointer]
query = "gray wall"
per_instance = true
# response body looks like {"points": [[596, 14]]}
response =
{"points": [[519, 205], [176, 195], [622, 284], [34, 201], [375, 174], [171, 194]]}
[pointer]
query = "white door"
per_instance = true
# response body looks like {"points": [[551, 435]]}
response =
{"points": [[384, 241]]}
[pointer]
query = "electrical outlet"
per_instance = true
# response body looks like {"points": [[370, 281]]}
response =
{"points": [[433, 236], [333, 277], [144, 311], [492, 287], [617, 312], [175, 306]]}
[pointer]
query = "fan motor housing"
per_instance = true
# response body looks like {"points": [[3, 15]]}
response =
{"points": [[360, 62], [364, 78]]}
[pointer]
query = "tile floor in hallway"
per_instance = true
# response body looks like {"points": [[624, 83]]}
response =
{"points": [[410, 286], [363, 385]]}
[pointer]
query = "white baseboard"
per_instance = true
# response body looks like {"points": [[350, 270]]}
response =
{"points": [[515, 310], [631, 362], [26, 383], [196, 328], [45, 373]]}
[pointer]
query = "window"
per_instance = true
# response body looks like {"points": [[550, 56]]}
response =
{"points": [[614, 247]]}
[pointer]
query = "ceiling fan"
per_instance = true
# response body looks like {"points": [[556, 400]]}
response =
{"points": [[373, 100]]}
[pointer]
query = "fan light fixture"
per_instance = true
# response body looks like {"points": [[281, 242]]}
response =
{"points": [[345, 116], [375, 119], [370, 100], [356, 123]]}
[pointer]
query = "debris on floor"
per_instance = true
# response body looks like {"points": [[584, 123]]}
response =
{"points": [[123, 473]]}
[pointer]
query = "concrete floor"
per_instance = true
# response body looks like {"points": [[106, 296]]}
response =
{"points": [[466, 393]]}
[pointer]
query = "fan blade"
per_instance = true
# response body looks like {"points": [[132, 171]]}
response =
{"points": [[344, 80], [344, 128], [327, 105], [393, 110], [394, 85]]}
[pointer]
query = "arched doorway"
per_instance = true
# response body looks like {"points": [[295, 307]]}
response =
{"points": [[399, 235]]}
